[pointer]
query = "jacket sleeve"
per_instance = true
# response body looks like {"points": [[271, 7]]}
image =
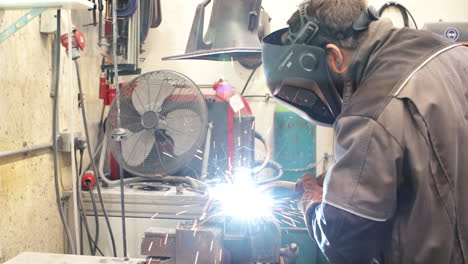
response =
{"points": [[360, 191], [345, 238], [363, 181]]}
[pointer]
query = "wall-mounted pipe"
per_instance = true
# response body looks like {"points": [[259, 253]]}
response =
{"points": [[25, 150]]}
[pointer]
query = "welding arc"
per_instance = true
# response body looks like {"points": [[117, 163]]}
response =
{"points": [[91, 157]]}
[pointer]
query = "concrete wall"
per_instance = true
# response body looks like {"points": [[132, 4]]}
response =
{"points": [[28, 213]]}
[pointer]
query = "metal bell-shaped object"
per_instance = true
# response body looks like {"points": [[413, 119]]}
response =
{"points": [[235, 31]]}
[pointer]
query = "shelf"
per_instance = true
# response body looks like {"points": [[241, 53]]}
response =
{"points": [[66, 4]]}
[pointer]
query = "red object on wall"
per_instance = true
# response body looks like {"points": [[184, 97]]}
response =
{"points": [[102, 87], [77, 37]]}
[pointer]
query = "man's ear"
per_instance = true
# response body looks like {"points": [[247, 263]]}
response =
{"points": [[335, 58]]}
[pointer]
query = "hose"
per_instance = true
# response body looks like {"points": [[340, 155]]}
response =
{"points": [[92, 243], [278, 167], [267, 153], [90, 153], [96, 238], [250, 77], [55, 137]]}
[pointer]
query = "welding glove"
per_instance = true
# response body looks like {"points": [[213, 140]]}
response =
{"points": [[310, 191]]}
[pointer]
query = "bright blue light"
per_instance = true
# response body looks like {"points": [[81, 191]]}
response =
{"points": [[242, 199]]}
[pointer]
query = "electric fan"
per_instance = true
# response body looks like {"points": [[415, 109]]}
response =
{"points": [[164, 118]]}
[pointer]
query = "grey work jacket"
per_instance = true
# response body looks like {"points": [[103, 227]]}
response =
{"points": [[401, 154]]}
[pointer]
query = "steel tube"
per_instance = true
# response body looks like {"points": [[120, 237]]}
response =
{"points": [[25, 150]]}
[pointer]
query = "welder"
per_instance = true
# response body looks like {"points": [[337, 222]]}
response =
{"points": [[398, 103]]}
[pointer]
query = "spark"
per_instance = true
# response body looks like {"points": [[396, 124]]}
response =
{"points": [[292, 220], [198, 157], [199, 151], [196, 257], [194, 224], [167, 154], [150, 246], [181, 212], [165, 240], [211, 246], [150, 260], [156, 214], [195, 232], [220, 254]]}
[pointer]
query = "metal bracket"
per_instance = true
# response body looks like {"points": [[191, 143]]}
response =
{"points": [[20, 23]]}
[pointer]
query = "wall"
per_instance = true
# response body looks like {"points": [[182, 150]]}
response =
{"points": [[29, 218]]}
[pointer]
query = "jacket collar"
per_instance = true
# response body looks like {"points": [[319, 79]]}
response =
{"points": [[379, 31]]}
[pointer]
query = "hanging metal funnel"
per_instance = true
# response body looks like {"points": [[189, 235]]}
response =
{"points": [[235, 30]]}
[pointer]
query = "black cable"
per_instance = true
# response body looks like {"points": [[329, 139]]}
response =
{"points": [[91, 157], [92, 243], [250, 77], [55, 137], [403, 10], [82, 220], [80, 170], [96, 238], [79, 208]]}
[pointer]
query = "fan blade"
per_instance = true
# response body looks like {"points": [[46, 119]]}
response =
{"points": [[136, 147], [129, 117], [150, 93], [181, 125]]}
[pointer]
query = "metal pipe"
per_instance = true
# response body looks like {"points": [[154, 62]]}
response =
{"points": [[25, 150]]}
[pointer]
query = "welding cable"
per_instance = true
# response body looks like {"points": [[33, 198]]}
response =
{"points": [[90, 153], [92, 243], [55, 136], [250, 77], [96, 219], [403, 10], [278, 176], [267, 153], [83, 219]]}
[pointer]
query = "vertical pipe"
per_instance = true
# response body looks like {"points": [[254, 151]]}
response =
{"points": [[116, 82], [72, 130], [54, 135]]}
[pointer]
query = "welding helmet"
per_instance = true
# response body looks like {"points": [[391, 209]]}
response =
{"points": [[297, 72]]}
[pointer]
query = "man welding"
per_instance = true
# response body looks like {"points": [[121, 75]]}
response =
{"points": [[398, 102]]}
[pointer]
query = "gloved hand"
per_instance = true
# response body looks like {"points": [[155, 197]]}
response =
{"points": [[310, 191]]}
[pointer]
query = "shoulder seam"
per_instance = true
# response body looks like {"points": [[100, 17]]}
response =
{"points": [[380, 124]]}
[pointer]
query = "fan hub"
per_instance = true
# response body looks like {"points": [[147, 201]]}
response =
{"points": [[150, 120]]}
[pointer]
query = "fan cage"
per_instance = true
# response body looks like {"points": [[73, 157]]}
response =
{"points": [[164, 115]]}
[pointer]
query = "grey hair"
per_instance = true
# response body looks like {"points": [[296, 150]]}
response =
{"points": [[335, 19]]}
